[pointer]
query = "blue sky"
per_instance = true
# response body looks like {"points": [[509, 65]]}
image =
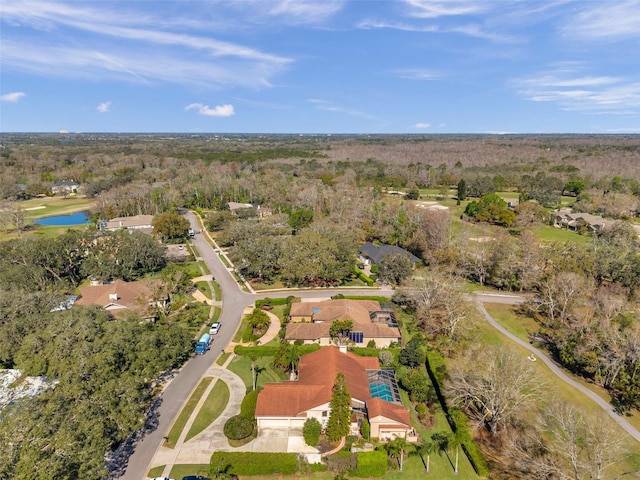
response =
{"points": [[285, 66]]}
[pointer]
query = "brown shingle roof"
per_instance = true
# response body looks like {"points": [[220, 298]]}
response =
{"points": [[316, 375], [315, 331], [133, 296], [376, 407], [329, 310]]}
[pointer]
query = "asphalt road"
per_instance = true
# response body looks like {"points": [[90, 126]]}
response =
{"points": [[234, 303]]}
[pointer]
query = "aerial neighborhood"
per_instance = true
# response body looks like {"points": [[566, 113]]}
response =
{"points": [[293, 307]]}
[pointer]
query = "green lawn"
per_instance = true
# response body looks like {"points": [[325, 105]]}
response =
{"points": [[216, 314], [547, 233], [204, 288], [187, 410], [213, 406], [217, 292], [203, 266], [156, 471], [241, 366], [179, 471], [55, 206]]}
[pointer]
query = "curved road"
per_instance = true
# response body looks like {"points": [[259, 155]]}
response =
{"points": [[177, 390], [630, 429]]}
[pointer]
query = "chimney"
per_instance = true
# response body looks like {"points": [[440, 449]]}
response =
{"points": [[113, 296]]}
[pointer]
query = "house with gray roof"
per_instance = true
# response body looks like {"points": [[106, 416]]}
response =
{"points": [[370, 253]]}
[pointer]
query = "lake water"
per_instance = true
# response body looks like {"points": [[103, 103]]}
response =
{"points": [[79, 218]]}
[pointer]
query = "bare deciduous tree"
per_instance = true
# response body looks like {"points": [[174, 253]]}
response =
{"points": [[493, 386]]}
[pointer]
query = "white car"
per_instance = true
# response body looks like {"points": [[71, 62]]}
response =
{"points": [[215, 328], [162, 478]]}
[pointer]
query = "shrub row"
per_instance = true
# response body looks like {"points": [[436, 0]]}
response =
{"points": [[365, 351], [362, 276], [375, 298], [248, 405], [370, 464], [250, 463], [272, 302], [271, 350]]}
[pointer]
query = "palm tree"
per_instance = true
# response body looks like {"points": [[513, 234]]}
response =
{"points": [[397, 447], [440, 442], [459, 437], [426, 448]]}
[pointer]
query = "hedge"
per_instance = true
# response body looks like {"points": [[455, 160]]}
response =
{"points": [[248, 405], [271, 350], [276, 301], [365, 351], [237, 428], [375, 298], [370, 464], [250, 463], [362, 276]]}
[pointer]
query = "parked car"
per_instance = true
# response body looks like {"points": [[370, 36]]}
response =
{"points": [[215, 328], [195, 477], [162, 478]]}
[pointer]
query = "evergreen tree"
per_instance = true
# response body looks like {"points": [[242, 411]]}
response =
{"points": [[340, 417], [462, 190]]}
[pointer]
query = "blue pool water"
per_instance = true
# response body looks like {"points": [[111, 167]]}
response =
{"points": [[79, 218], [381, 390]]}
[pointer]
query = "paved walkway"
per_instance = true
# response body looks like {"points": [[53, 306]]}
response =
{"points": [[630, 429]]}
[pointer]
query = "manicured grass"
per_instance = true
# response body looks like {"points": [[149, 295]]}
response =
{"points": [[204, 288], [191, 268], [217, 292], [241, 366], [222, 358], [224, 260], [156, 471], [55, 206], [547, 233], [203, 266], [276, 285], [185, 414], [213, 406], [216, 314], [439, 465], [179, 471]]}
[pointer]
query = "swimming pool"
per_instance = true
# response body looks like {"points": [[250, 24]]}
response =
{"points": [[381, 390]]}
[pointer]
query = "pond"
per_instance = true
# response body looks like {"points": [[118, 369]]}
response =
{"points": [[78, 218]]}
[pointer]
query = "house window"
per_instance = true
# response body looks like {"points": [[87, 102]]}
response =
{"points": [[325, 413], [356, 337]]}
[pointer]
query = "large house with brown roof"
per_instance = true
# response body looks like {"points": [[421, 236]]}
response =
{"points": [[374, 395], [120, 296], [310, 322], [143, 223]]}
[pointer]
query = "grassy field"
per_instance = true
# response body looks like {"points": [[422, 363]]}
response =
{"points": [[47, 207], [213, 406], [547, 233], [185, 413], [179, 471], [217, 292], [555, 388]]}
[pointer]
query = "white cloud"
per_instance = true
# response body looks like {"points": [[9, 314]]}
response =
{"points": [[434, 9], [422, 125], [304, 12], [567, 86], [415, 74], [104, 107], [605, 21], [127, 45], [217, 111], [12, 97]]}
